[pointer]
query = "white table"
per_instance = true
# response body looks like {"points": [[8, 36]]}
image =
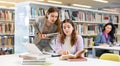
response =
{"points": [[14, 60], [114, 48]]}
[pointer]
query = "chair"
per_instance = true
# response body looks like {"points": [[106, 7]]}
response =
{"points": [[110, 56]]}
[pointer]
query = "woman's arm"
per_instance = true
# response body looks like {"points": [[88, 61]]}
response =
{"points": [[79, 45], [58, 46], [98, 40], [36, 25]]}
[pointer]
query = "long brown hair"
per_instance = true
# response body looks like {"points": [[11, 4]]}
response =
{"points": [[112, 32], [57, 22], [73, 35]]}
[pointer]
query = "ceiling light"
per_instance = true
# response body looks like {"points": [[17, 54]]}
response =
{"points": [[40, 0], [12, 7], [51, 1], [3, 7], [7, 2], [81, 5], [103, 1]]}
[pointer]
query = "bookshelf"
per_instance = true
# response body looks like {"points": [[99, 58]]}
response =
{"points": [[88, 22], [118, 34], [6, 31]]}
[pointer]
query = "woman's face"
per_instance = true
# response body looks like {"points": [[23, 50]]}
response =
{"points": [[108, 28], [67, 29], [52, 17]]}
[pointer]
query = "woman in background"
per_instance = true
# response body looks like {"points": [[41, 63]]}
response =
{"points": [[44, 25], [105, 38], [68, 42]]}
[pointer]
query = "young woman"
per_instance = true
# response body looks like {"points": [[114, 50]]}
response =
{"points": [[44, 25], [105, 38], [68, 42]]}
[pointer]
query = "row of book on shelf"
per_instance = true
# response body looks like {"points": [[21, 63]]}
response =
{"points": [[6, 14], [6, 41], [78, 15], [7, 28], [88, 28], [6, 45], [6, 51]]}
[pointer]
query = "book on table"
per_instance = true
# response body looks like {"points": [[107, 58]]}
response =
{"points": [[30, 59], [34, 61], [74, 57]]}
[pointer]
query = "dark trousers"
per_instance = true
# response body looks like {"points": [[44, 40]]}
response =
{"points": [[99, 52]]}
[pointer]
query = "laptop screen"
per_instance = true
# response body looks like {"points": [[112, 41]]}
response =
{"points": [[32, 48]]}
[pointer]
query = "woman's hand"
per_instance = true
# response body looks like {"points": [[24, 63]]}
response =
{"points": [[114, 43], [105, 45], [64, 52], [42, 36]]}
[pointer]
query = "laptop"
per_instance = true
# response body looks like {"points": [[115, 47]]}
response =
{"points": [[33, 49], [35, 56]]}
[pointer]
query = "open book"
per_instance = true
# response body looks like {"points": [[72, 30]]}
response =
{"points": [[76, 56]]}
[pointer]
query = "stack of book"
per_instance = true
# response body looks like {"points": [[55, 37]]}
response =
{"points": [[33, 59], [34, 62]]}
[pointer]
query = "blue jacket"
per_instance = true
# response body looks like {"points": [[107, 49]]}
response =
{"points": [[100, 39]]}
